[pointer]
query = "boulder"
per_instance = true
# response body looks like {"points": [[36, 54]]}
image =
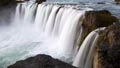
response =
{"points": [[107, 53], [96, 19], [40, 61]]}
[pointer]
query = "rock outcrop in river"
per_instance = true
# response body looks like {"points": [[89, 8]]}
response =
{"points": [[96, 19], [107, 54]]}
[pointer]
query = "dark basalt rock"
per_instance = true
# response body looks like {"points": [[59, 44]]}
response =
{"points": [[108, 48], [40, 61], [40, 1], [96, 19]]}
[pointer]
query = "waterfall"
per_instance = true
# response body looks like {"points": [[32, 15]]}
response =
{"points": [[41, 29], [57, 21], [29, 13], [40, 15], [25, 13], [17, 14], [84, 56], [54, 30], [51, 20]]}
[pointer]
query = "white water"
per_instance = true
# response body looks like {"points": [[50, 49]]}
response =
{"points": [[85, 54], [51, 20], [52, 32]]}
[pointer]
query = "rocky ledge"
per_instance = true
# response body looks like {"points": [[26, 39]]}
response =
{"points": [[40, 61], [107, 54]]}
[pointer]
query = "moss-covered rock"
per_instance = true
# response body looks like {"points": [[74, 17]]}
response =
{"points": [[96, 19], [107, 54]]}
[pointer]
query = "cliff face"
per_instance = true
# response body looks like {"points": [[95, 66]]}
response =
{"points": [[40, 61], [108, 48]]}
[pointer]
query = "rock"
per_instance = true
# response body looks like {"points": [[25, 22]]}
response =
{"points": [[6, 2], [40, 1], [40, 61], [107, 54], [96, 19]]}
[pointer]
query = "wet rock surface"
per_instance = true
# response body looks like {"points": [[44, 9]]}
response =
{"points": [[108, 48], [96, 19], [40, 61]]}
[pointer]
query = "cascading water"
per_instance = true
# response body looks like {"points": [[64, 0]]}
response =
{"points": [[29, 13], [52, 30], [84, 56]]}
